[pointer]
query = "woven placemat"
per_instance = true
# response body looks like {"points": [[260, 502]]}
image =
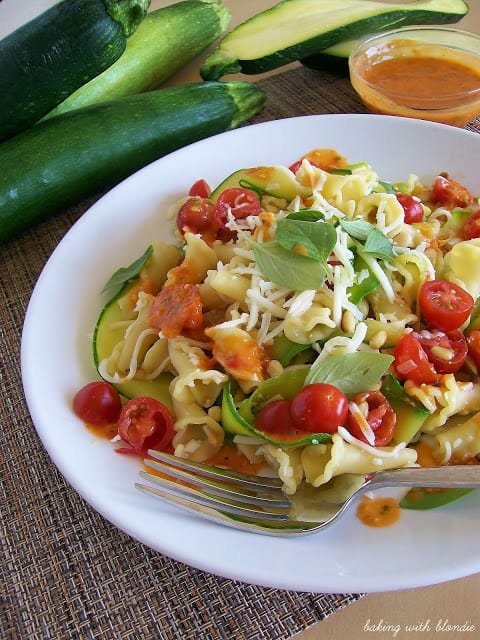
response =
{"points": [[65, 572]]}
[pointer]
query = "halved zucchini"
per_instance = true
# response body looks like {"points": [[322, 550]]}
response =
{"points": [[295, 29]]}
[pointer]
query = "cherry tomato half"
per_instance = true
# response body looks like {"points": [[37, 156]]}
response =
{"points": [[319, 408], [445, 351], [145, 423], [449, 193], [412, 208], [200, 188], [412, 363], [472, 226], [197, 215], [275, 418], [473, 342], [241, 203], [379, 414], [97, 403], [444, 305]]}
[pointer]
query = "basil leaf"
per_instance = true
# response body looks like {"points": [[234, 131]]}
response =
{"points": [[353, 372], [313, 239], [378, 245], [306, 214], [358, 229], [125, 274], [288, 269], [375, 242]]}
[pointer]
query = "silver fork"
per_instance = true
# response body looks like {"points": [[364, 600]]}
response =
{"points": [[256, 504]]}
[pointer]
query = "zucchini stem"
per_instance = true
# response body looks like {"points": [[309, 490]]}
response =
{"points": [[128, 13]]}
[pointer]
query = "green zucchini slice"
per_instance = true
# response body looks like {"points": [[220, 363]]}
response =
{"points": [[295, 29]]}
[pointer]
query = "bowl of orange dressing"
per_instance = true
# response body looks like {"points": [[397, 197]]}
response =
{"points": [[431, 73]]}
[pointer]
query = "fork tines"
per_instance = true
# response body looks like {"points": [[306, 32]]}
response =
{"points": [[223, 490]]}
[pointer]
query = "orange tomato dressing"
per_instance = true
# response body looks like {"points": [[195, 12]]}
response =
{"points": [[143, 285], [104, 431], [230, 457], [378, 512], [423, 76], [326, 158], [176, 307], [239, 354], [263, 174], [425, 457], [415, 80]]}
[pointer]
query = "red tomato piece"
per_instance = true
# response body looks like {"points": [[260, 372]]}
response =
{"points": [[275, 418], [241, 203], [412, 208], [319, 408], [200, 188], [445, 351], [412, 363], [472, 226], [380, 417], [295, 166], [145, 423], [177, 307], [450, 194], [97, 403], [444, 305], [473, 343], [197, 215]]}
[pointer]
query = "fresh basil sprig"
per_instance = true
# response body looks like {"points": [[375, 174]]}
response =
{"points": [[125, 274], [353, 372], [287, 269], [297, 259], [313, 239], [375, 243]]}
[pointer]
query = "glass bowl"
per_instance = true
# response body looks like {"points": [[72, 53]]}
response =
{"points": [[431, 73]]}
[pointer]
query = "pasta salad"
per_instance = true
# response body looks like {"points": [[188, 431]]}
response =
{"points": [[315, 322]]}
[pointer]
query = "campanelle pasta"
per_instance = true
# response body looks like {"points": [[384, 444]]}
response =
{"points": [[326, 269]]}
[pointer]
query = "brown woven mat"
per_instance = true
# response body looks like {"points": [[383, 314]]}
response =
{"points": [[65, 572]]}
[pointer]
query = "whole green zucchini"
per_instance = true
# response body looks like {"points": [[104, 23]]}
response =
{"points": [[163, 43], [46, 59], [295, 29], [72, 156]]}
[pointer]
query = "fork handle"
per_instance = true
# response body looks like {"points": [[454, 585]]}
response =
{"points": [[457, 476]]}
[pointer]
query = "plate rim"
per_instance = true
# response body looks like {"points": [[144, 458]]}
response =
{"points": [[332, 586]]}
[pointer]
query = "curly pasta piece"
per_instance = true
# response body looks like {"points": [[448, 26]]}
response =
{"points": [[197, 436], [287, 463], [321, 462], [459, 443], [199, 258], [450, 397]]}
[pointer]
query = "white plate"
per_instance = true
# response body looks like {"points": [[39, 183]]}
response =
{"points": [[423, 548]]}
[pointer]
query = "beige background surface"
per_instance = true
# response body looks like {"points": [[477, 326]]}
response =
{"points": [[424, 613]]}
